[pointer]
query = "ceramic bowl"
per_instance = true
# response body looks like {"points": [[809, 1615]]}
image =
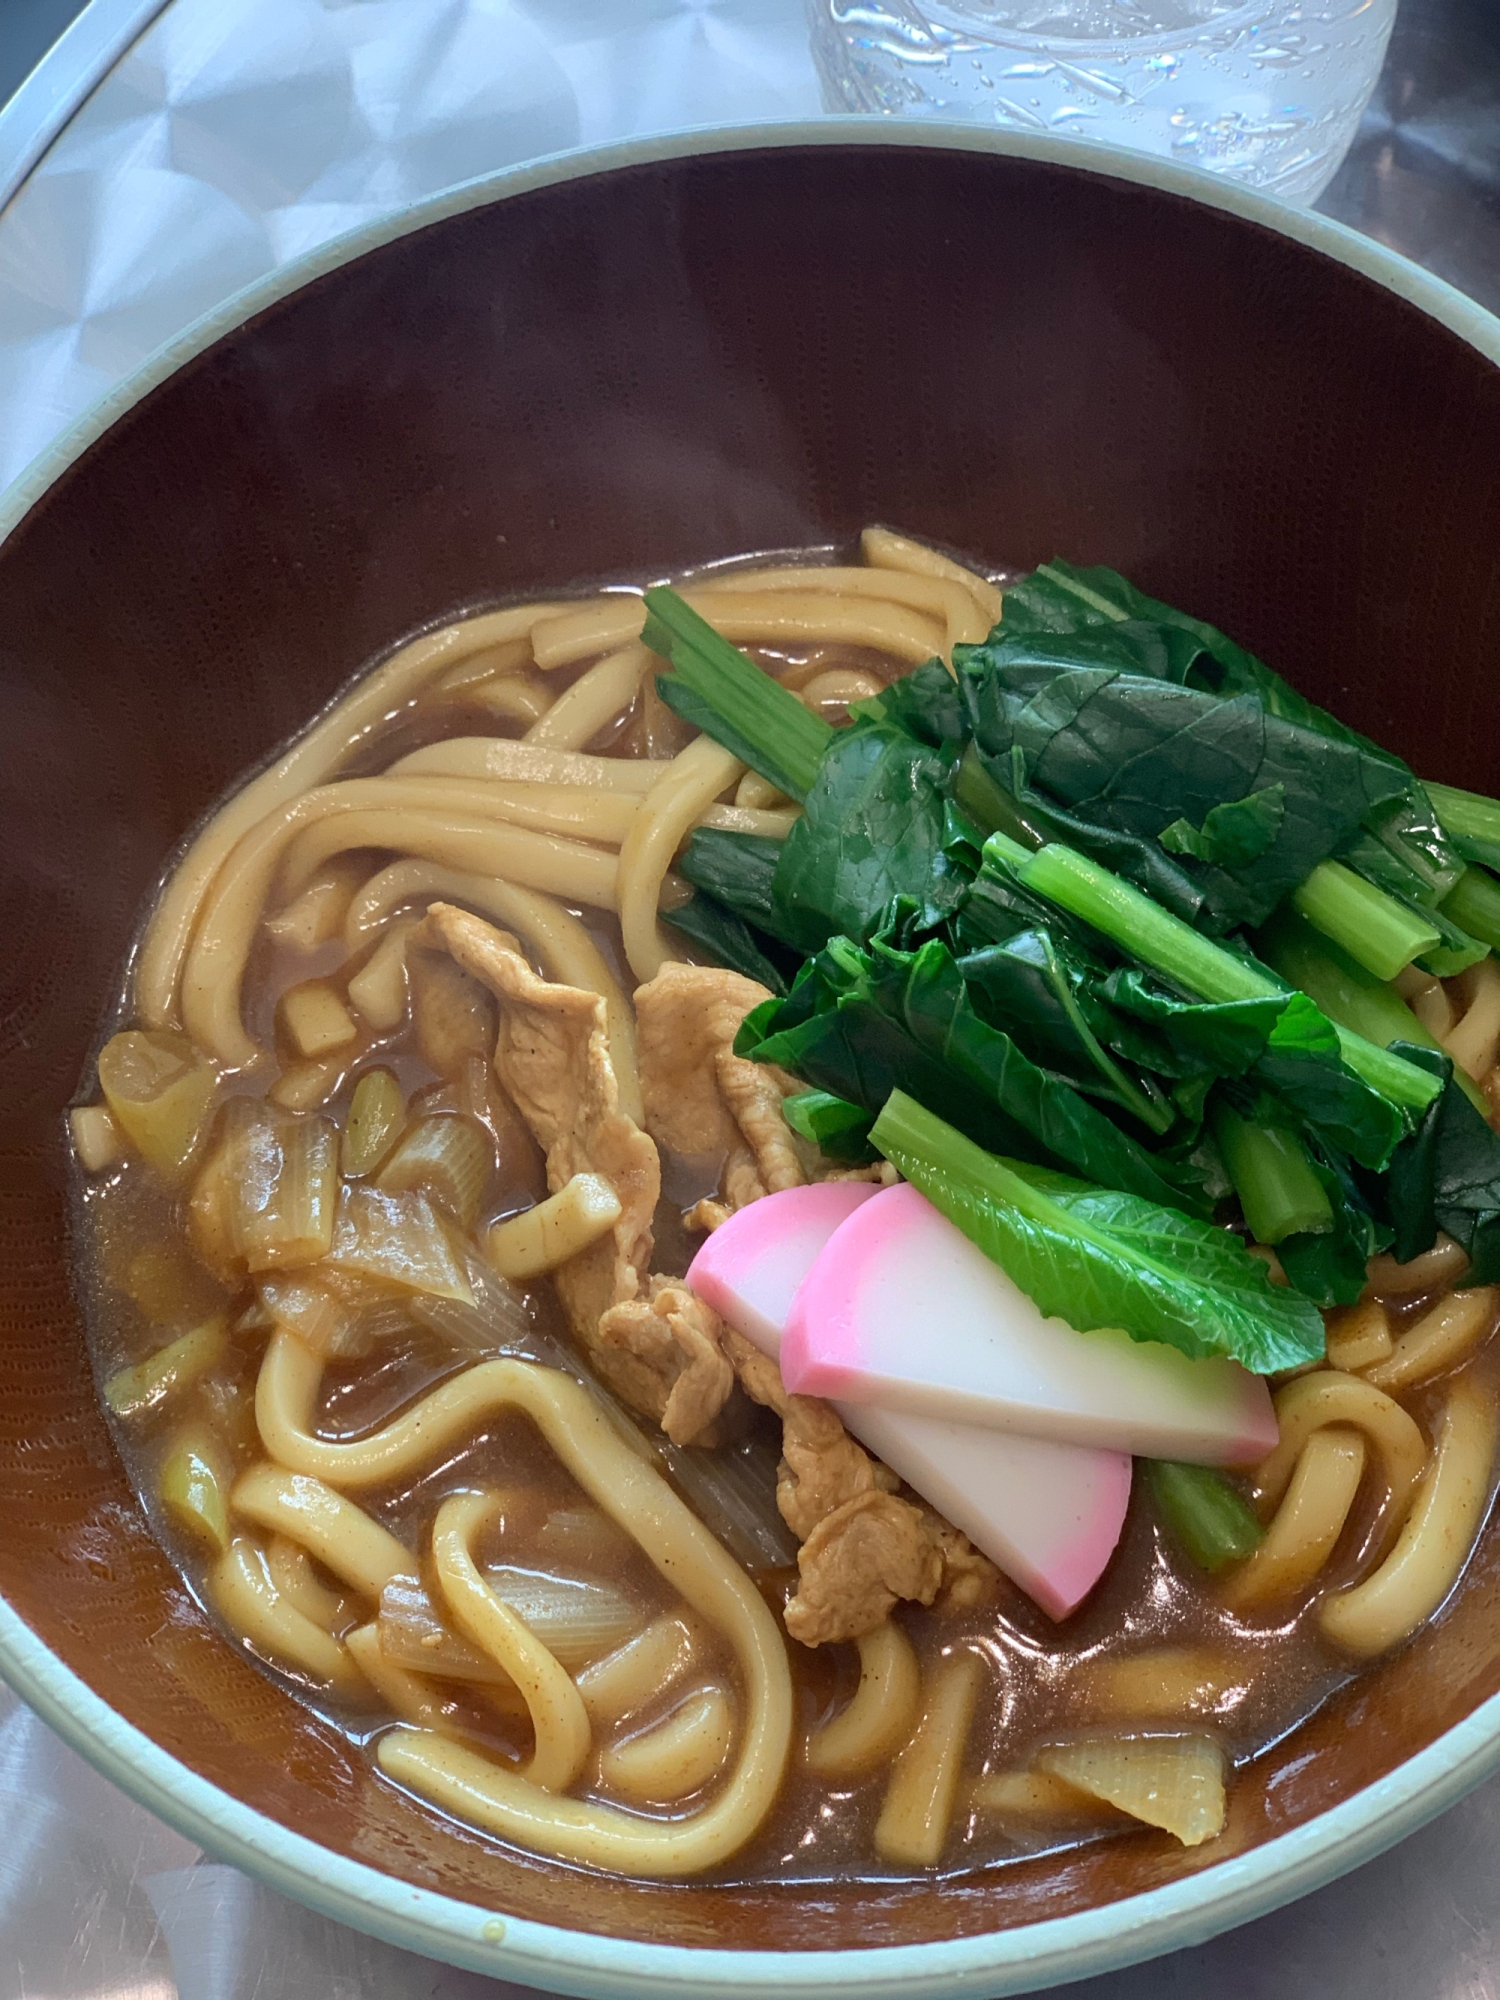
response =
{"points": [[640, 360]]}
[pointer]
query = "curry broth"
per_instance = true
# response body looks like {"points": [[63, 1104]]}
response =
{"points": [[1250, 1678]]}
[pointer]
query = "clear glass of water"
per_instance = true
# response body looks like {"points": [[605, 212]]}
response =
{"points": [[1264, 91]]}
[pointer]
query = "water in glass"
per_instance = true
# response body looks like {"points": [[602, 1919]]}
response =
{"points": [[1268, 92]]}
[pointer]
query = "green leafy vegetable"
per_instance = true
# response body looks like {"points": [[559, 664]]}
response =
{"points": [[862, 1023], [1233, 834], [739, 871], [1140, 756], [1207, 1516], [840, 1130], [1280, 1194], [1097, 1258], [1474, 903], [715, 687], [878, 824], [1059, 598], [732, 942], [1447, 1176], [1381, 933], [1471, 822]]}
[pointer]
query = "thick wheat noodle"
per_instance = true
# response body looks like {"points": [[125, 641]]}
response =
{"points": [[512, 698], [308, 763], [1444, 1264], [243, 1594], [1475, 1040], [1434, 1543], [551, 862], [674, 803], [215, 966], [593, 701], [509, 657], [534, 763], [1328, 1396], [1308, 1522], [675, 1756], [914, 1815], [558, 1718], [882, 548], [633, 1494], [343, 1537], [566, 951], [879, 1717], [1440, 1339], [634, 1673], [781, 618], [290, 1569], [954, 606]]}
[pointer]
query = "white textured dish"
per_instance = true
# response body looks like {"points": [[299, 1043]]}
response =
{"points": [[1021, 1959]]}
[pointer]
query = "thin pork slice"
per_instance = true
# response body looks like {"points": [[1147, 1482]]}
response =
{"points": [[902, 1312], [1048, 1515]]}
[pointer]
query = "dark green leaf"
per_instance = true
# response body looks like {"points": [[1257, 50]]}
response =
{"points": [[877, 825], [1135, 756], [739, 871], [1058, 598], [1037, 988], [1447, 1176], [730, 940], [861, 1024], [840, 1130], [1232, 835], [1329, 1267], [926, 705], [1099, 1259]]}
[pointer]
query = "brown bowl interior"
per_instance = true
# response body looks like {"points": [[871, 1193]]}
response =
{"points": [[635, 371]]}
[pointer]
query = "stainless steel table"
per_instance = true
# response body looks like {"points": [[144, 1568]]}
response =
{"points": [[170, 187]]}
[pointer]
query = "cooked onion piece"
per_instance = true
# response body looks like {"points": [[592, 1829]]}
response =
{"points": [[1174, 1782], [167, 1372], [192, 1485]]}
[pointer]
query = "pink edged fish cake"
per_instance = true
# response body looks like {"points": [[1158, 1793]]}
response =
{"points": [[1049, 1515], [903, 1313]]}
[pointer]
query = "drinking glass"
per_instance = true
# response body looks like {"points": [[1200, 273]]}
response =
{"points": [[1264, 91]]}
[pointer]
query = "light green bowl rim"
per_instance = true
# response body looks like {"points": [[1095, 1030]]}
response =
{"points": [[1022, 1959]]}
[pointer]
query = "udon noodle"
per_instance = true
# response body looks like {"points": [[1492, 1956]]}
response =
{"points": [[417, 1107]]}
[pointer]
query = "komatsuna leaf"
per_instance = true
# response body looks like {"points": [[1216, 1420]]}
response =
{"points": [[1099, 1259], [739, 871], [877, 825], [728, 938], [1138, 756], [839, 1130], [862, 1023], [1329, 1267], [1059, 598], [1447, 1176], [1038, 988], [1232, 835]]}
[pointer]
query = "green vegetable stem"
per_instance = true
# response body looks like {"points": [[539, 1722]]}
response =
{"points": [[1278, 1190], [1383, 935], [1206, 1514]]}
